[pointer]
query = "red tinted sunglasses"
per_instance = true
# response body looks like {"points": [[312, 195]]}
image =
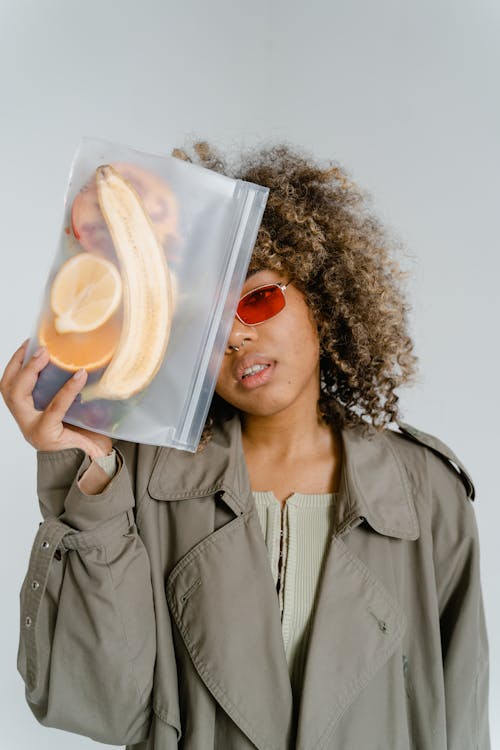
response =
{"points": [[261, 304]]}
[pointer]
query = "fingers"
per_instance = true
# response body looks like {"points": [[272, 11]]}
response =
{"points": [[20, 387], [18, 392], [14, 365], [42, 429], [57, 408], [45, 431]]}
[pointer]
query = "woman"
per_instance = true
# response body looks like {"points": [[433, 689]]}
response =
{"points": [[309, 578]]}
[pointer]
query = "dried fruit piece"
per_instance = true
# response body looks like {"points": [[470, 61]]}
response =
{"points": [[85, 293], [71, 351], [147, 291], [89, 226]]}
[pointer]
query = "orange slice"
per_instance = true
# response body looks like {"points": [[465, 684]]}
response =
{"points": [[85, 293], [72, 351]]}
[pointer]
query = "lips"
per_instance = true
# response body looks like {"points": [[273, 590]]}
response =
{"points": [[248, 361], [254, 370]]}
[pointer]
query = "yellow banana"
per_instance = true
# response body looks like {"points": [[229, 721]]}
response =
{"points": [[147, 291]]}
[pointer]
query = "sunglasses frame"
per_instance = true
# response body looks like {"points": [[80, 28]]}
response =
{"points": [[281, 287]]}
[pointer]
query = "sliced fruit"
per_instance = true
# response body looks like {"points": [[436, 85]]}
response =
{"points": [[71, 351], [147, 291], [85, 293], [89, 226]]}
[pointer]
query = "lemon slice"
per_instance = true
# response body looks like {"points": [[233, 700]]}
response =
{"points": [[85, 293]]}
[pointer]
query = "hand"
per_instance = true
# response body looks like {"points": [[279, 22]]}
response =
{"points": [[45, 430]]}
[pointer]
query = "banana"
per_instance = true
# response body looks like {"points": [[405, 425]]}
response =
{"points": [[147, 291]]}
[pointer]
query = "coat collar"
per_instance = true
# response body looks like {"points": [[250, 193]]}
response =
{"points": [[373, 484], [222, 596]]}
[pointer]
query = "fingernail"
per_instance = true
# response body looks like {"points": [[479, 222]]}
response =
{"points": [[78, 374], [39, 351]]}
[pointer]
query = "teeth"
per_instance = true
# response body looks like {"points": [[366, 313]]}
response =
{"points": [[252, 370]]}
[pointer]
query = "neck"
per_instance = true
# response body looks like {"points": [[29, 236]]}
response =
{"points": [[290, 434]]}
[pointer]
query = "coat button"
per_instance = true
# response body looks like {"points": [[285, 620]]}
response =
{"points": [[45, 545], [57, 554], [34, 584], [27, 621]]}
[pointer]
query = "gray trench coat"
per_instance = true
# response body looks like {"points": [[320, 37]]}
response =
{"points": [[149, 616]]}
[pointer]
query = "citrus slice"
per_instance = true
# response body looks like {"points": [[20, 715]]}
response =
{"points": [[85, 293], [72, 351]]}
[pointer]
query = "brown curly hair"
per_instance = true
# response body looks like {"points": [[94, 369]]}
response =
{"points": [[317, 228]]}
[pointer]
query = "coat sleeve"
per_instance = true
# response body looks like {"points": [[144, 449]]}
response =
{"points": [[464, 638], [87, 643]]}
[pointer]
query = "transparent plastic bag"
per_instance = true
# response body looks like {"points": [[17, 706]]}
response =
{"points": [[142, 293]]}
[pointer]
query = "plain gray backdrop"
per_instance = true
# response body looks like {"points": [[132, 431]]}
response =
{"points": [[403, 94]]}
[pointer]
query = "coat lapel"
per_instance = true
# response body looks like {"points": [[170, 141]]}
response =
{"points": [[223, 600], [357, 624], [357, 627]]}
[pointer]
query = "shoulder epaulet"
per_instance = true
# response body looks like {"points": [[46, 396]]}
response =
{"points": [[442, 450]]}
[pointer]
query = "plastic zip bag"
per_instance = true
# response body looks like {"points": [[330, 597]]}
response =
{"points": [[142, 293]]}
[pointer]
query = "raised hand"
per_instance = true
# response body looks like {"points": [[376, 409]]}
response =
{"points": [[46, 430]]}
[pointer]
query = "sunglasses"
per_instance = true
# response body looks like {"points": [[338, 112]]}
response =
{"points": [[261, 304]]}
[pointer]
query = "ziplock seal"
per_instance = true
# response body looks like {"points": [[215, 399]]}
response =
{"points": [[244, 232]]}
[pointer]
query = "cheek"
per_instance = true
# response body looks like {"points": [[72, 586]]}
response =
{"points": [[303, 345], [224, 380]]}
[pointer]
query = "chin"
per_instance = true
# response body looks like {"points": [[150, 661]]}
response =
{"points": [[260, 407], [260, 402]]}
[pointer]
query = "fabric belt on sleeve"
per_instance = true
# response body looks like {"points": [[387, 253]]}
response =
{"points": [[54, 536], [49, 535]]}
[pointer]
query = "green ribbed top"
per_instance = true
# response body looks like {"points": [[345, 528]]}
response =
{"points": [[306, 523]]}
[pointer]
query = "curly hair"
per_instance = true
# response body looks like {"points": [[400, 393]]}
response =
{"points": [[317, 228]]}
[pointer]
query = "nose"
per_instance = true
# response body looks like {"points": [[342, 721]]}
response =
{"points": [[240, 333]]}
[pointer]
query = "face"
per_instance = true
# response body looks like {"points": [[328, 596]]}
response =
{"points": [[287, 343]]}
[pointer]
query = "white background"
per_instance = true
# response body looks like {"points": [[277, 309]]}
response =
{"points": [[403, 94]]}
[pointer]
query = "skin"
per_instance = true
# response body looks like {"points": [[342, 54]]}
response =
{"points": [[280, 427]]}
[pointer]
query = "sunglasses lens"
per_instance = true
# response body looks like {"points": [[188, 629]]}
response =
{"points": [[261, 304]]}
